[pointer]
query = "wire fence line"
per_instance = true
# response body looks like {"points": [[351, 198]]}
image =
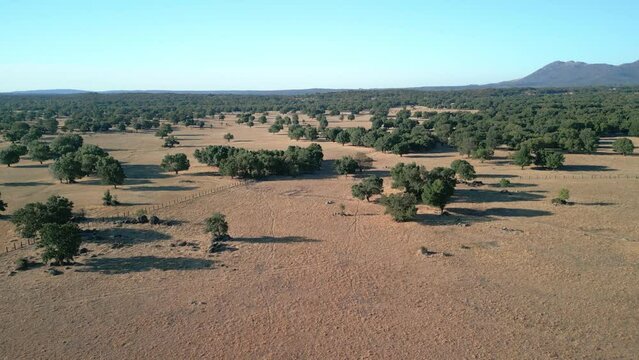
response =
{"points": [[181, 200], [17, 245], [568, 177]]}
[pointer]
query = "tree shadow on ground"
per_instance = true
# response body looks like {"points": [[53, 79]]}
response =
{"points": [[27, 183], [126, 182], [144, 171], [31, 166], [372, 172], [586, 168], [597, 203], [275, 240], [113, 266], [124, 236], [496, 176], [447, 220], [513, 185], [488, 196], [162, 188], [500, 212], [206, 173]]}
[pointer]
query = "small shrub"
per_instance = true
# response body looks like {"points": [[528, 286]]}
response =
{"points": [[564, 194], [109, 200], [400, 206], [217, 226], [504, 183], [22, 264]]}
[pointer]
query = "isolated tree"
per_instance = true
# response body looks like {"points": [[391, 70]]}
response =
{"points": [[522, 157], [67, 143], [67, 168], [400, 206], [504, 183], [346, 165], [39, 151], [61, 242], [262, 119], [623, 146], [228, 137], [217, 226], [562, 198], [364, 162], [170, 141], [463, 169], [9, 156], [275, 128], [177, 162], [110, 171], [372, 185], [30, 219], [437, 193], [164, 130], [351, 117], [295, 132]]}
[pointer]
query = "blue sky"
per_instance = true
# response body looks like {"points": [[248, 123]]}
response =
{"points": [[251, 44]]}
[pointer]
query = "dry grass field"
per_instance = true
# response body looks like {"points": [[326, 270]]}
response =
{"points": [[510, 276]]}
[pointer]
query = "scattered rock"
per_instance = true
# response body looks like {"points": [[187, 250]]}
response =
{"points": [[330, 202], [83, 250], [54, 272], [465, 247], [182, 243], [463, 224], [11, 273], [154, 220], [142, 219], [425, 252], [216, 247], [505, 192], [117, 245]]}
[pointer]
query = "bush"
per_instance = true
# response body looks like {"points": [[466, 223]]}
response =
{"points": [[400, 206], [564, 194], [623, 146], [463, 169], [61, 242], [170, 141], [372, 185], [3, 205], [482, 154], [346, 165], [217, 226], [228, 137], [109, 200], [30, 219], [504, 183]]}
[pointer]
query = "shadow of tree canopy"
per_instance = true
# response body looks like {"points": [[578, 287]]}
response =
{"points": [[124, 236], [144, 171], [586, 168], [27, 183], [487, 196], [112, 266], [501, 212], [31, 166], [276, 240]]}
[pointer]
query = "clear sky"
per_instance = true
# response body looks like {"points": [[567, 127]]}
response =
{"points": [[252, 44]]}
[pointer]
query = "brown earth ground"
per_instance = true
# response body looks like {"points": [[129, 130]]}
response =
{"points": [[512, 276]]}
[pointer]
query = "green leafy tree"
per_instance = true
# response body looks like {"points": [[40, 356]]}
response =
{"points": [[67, 168], [217, 226], [402, 207], [372, 185], [170, 141], [623, 146], [346, 165], [30, 219], [310, 133], [482, 154], [39, 151], [553, 159], [65, 144], [523, 157], [262, 119], [437, 193], [33, 134], [61, 242], [343, 137], [177, 162], [110, 171], [409, 177], [463, 169], [164, 130], [295, 132], [275, 128], [228, 137], [16, 131], [9, 156]]}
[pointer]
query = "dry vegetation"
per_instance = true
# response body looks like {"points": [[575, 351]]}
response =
{"points": [[505, 275]]}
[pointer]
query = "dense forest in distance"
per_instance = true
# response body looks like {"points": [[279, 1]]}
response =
{"points": [[566, 119]]}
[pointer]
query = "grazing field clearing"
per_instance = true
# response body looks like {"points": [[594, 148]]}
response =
{"points": [[506, 273]]}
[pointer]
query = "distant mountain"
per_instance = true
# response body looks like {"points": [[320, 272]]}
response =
{"points": [[556, 74], [577, 74]]}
